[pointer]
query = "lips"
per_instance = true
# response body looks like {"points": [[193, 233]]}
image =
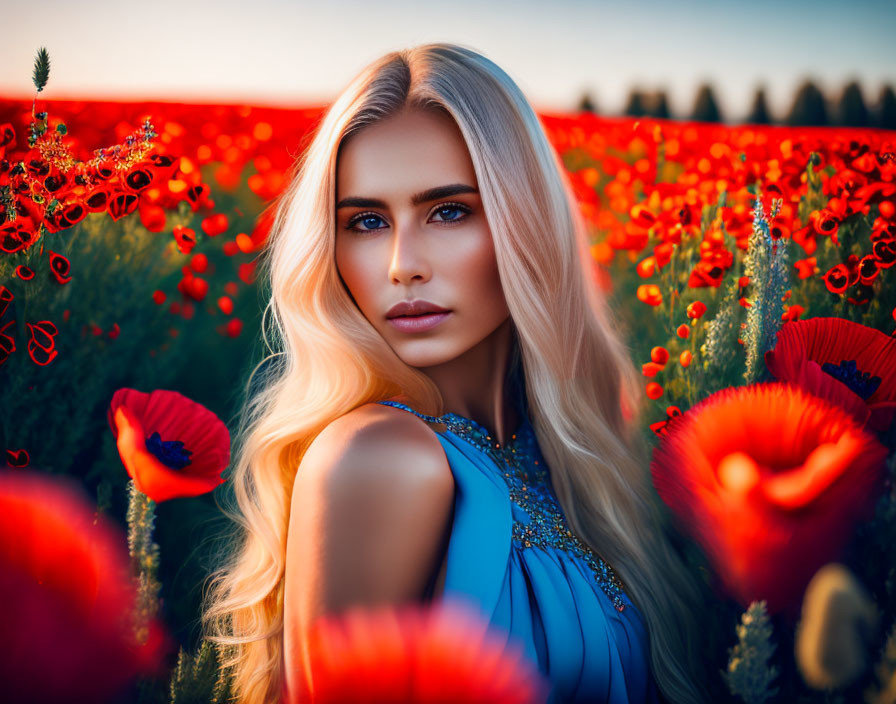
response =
{"points": [[414, 308]]}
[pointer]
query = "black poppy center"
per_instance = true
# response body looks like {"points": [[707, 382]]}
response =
{"points": [[171, 453], [860, 383]]}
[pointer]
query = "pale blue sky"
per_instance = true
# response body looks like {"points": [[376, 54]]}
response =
{"points": [[279, 52]]}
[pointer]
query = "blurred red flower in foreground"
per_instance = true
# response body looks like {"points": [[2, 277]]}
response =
{"points": [[769, 480], [442, 652], [848, 363], [68, 627], [170, 445]]}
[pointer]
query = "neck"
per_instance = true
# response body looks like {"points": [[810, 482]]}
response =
{"points": [[474, 385]]}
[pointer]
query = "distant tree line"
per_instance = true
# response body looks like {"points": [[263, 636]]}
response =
{"points": [[809, 107]]}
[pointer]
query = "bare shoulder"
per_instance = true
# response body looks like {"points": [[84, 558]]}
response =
{"points": [[372, 501], [379, 444]]}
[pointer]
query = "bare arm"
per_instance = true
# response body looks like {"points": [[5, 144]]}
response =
{"points": [[370, 506]]}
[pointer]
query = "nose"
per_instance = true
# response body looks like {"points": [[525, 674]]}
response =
{"points": [[410, 260]]}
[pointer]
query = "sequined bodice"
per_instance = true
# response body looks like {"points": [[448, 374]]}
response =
{"points": [[538, 519]]}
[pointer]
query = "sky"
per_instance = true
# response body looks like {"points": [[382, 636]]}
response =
{"points": [[275, 52]]}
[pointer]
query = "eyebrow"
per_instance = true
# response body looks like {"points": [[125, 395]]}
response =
{"points": [[418, 198]]}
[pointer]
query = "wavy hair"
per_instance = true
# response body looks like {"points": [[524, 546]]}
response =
{"points": [[584, 396]]}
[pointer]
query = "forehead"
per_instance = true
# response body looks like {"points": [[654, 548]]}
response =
{"points": [[412, 150]]}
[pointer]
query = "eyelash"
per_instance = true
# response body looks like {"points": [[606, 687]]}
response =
{"points": [[350, 225]]}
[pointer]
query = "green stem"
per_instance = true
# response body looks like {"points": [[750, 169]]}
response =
{"points": [[144, 559]]}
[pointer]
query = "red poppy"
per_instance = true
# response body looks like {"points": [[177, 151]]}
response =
{"points": [[138, 178], [152, 216], [98, 200], [6, 298], [7, 135], [696, 309], [41, 356], [170, 445], [246, 272], [847, 363], [215, 224], [60, 268], [185, 238], [793, 312], [662, 427], [17, 458], [55, 180], [424, 653], [649, 294], [42, 345], [868, 269], [42, 334], [25, 273], [706, 274], [72, 213], [17, 235], [65, 571], [884, 252], [198, 196], [121, 204], [769, 480], [164, 166], [199, 263], [101, 172]]}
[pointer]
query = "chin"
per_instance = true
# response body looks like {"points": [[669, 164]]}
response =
{"points": [[422, 358]]}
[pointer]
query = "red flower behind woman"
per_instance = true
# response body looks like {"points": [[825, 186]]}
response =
{"points": [[170, 445], [769, 479]]}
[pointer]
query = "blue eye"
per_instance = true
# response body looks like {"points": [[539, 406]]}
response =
{"points": [[453, 207], [365, 218], [371, 218]]}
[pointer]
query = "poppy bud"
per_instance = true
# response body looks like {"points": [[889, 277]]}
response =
{"points": [[834, 636]]}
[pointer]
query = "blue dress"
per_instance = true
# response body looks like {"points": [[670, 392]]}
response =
{"points": [[511, 555]]}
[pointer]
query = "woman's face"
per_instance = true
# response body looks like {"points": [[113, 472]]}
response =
{"points": [[397, 241]]}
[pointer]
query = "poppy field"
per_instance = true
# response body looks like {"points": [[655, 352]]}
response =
{"points": [[751, 266]]}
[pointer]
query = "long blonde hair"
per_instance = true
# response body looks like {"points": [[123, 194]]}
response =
{"points": [[581, 387]]}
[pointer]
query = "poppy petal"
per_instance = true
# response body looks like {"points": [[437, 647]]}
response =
{"points": [[150, 475]]}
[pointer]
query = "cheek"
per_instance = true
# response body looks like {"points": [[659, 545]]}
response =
{"points": [[478, 276], [350, 268]]}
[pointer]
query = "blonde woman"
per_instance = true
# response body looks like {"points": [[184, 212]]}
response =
{"points": [[453, 410]]}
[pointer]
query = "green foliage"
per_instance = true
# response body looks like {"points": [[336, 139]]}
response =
{"points": [[41, 69], [115, 267], [197, 679], [749, 675], [720, 354], [884, 690], [144, 557], [875, 543], [766, 265]]}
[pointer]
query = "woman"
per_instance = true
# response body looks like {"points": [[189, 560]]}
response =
{"points": [[379, 463]]}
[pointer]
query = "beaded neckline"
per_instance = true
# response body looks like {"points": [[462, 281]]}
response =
{"points": [[529, 486], [470, 429]]}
